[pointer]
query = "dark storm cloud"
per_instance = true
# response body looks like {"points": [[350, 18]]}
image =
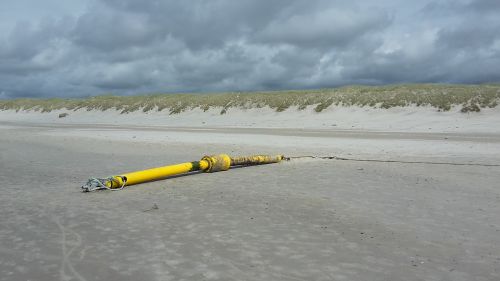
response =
{"points": [[32, 47], [205, 23], [136, 46], [326, 28], [481, 6]]}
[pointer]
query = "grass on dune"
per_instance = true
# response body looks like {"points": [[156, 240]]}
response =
{"points": [[471, 98]]}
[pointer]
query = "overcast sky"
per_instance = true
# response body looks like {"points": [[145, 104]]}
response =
{"points": [[89, 47]]}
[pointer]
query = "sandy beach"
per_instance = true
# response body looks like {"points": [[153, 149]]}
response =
{"points": [[305, 219], [147, 140]]}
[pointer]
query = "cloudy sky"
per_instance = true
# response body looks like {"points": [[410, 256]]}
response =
{"points": [[61, 48]]}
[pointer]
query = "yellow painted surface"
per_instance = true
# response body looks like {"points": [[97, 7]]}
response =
{"points": [[155, 174]]}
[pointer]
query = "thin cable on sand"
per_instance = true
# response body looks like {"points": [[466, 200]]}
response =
{"points": [[391, 161]]}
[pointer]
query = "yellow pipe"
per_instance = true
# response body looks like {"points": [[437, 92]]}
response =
{"points": [[214, 163], [156, 174]]}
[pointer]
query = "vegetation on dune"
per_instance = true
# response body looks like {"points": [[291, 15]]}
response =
{"points": [[472, 98]]}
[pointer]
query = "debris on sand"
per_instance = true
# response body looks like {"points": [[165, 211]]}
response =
{"points": [[155, 207], [62, 115]]}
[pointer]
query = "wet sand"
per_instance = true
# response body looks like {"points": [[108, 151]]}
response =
{"points": [[305, 219]]}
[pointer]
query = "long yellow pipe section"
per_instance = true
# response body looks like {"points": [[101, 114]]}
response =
{"points": [[155, 173], [214, 163]]}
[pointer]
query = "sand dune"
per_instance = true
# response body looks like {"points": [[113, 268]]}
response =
{"points": [[397, 119]]}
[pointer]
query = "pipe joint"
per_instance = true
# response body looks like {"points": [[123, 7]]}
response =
{"points": [[217, 163]]}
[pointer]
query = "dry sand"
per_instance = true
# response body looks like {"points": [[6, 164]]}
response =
{"points": [[396, 119], [300, 220]]}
